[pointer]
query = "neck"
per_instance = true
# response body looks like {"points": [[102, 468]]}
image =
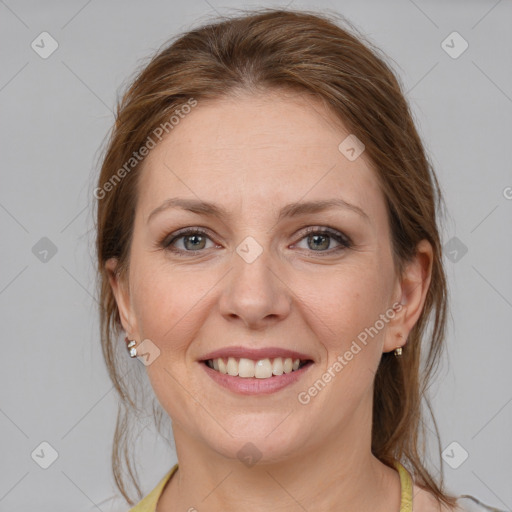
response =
{"points": [[338, 474]]}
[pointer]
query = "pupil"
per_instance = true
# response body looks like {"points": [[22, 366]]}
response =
{"points": [[324, 237], [198, 239]]}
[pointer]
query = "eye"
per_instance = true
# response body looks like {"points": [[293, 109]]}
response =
{"points": [[194, 240], [320, 239], [191, 240]]}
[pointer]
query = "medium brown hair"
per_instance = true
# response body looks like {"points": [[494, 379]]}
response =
{"points": [[309, 52]]}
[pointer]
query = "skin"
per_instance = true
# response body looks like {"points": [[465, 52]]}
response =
{"points": [[254, 154]]}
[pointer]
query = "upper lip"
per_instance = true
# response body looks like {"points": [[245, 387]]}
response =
{"points": [[255, 354]]}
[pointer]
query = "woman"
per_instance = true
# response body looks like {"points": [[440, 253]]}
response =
{"points": [[268, 246]]}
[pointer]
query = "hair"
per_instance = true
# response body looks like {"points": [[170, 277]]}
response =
{"points": [[305, 51]]}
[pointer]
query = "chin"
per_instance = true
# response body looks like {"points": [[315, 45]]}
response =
{"points": [[260, 438]]}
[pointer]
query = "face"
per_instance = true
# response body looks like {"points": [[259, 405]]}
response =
{"points": [[260, 281]]}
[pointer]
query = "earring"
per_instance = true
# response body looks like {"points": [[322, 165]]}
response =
{"points": [[398, 350], [131, 347]]}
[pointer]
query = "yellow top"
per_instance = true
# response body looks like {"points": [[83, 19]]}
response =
{"points": [[148, 504]]}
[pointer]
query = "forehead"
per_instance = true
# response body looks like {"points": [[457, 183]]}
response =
{"points": [[277, 146]]}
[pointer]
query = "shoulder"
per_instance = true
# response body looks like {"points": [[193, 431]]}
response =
{"points": [[425, 501]]}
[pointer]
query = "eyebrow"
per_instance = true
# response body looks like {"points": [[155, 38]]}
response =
{"points": [[293, 209]]}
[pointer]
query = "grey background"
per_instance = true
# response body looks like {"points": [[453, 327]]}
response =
{"points": [[55, 113]]}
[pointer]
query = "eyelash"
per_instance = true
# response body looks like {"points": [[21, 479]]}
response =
{"points": [[342, 239]]}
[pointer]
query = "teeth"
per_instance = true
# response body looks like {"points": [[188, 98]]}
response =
{"points": [[232, 367], [277, 367], [263, 369], [247, 368], [221, 364]]}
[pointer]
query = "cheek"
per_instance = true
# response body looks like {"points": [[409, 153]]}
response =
{"points": [[344, 311], [348, 301], [167, 304]]}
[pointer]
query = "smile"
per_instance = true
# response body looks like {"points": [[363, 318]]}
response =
{"points": [[260, 369]]}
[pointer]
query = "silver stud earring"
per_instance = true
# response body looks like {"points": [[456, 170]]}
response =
{"points": [[131, 348]]}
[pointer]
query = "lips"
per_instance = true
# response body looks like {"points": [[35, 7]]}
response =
{"points": [[271, 374], [256, 354], [262, 363]]}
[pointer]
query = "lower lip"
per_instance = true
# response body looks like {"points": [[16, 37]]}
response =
{"points": [[254, 386]]}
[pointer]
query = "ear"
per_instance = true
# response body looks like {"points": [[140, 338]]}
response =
{"points": [[121, 292], [410, 294]]}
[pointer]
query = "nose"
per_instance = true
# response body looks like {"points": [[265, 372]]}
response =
{"points": [[255, 291]]}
